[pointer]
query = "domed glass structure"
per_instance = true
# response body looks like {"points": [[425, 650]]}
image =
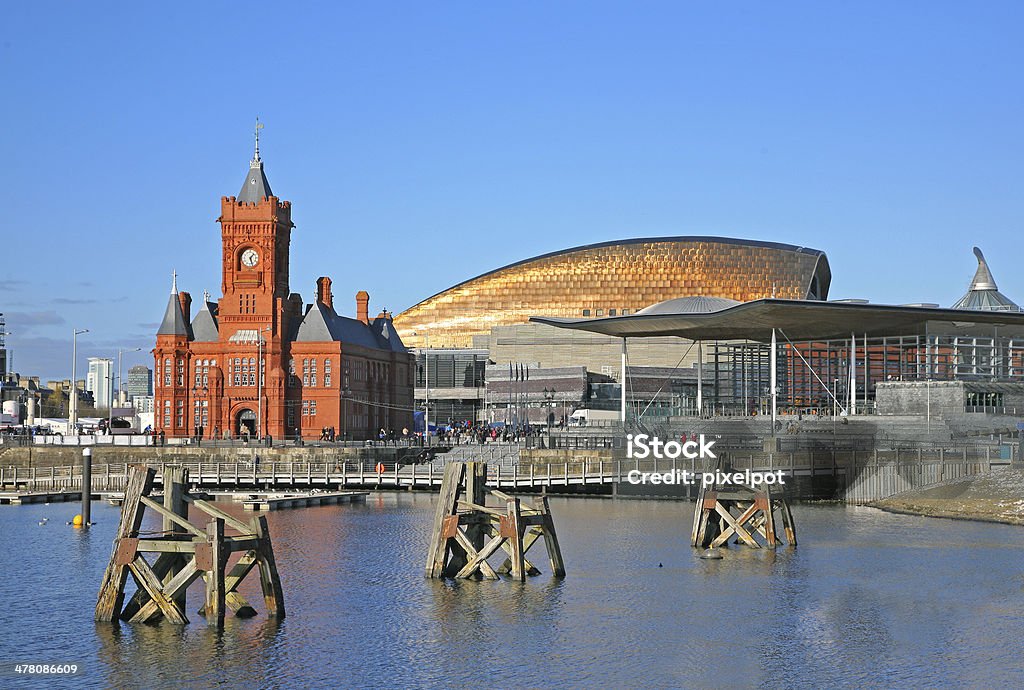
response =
{"points": [[983, 294]]}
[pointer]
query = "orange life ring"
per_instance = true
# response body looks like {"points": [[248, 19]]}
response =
{"points": [[380, 468]]}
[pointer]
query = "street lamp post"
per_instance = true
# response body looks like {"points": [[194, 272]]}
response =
{"points": [[73, 401], [117, 387], [549, 397], [426, 386], [835, 404], [259, 382], [345, 393]]}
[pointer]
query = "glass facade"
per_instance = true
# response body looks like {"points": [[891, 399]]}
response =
{"points": [[456, 384], [737, 375]]}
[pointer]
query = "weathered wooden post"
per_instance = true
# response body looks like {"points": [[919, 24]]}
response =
{"points": [[467, 532], [111, 595], [215, 572], [186, 553], [175, 479], [742, 512]]}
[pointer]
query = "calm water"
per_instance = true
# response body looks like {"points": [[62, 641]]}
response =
{"points": [[868, 598]]}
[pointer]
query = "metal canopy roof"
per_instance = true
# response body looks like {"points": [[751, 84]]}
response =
{"points": [[798, 319]]}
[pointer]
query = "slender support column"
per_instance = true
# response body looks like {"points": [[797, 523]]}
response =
{"points": [[622, 382], [773, 366], [866, 370], [853, 374], [700, 378]]}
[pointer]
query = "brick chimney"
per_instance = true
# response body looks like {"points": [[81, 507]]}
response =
{"points": [[363, 306], [185, 300], [323, 292]]}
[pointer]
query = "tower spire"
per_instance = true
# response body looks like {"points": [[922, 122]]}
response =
{"points": [[983, 293], [256, 162], [174, 282], [255, 187]]}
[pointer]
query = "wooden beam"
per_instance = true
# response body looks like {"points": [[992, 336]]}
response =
{"points": [[111, 595], [176, 519], [529, 539], [734, 526], [168, 546], [515, 536], [447, 504], [479, 559], [215, 576], [787, 521], [215, 512], [461, 543], [270, 580], [469, 505], [145, 577], [162, 566], [705, 507], [242, 567], [764, 502], [179, 583], [551, 541], [175, 478]]}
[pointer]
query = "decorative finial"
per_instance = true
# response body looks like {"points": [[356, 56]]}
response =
{"points": [[174, 282], [256, 162], [206, 295], [983, 279]]}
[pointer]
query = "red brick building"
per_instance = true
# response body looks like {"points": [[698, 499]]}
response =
{"points": [[319, 369]]}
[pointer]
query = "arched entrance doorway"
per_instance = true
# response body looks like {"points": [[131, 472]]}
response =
{"points": [[246, 423]]}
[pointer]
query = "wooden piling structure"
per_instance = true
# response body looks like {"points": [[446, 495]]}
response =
{"points": [[185, 552], [466, 531], [748, 514]]}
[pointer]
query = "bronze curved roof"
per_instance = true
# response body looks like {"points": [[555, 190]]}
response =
{"points": [[617, 276]]}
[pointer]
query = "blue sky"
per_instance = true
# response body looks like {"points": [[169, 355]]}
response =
{"points": [[424, 143]]}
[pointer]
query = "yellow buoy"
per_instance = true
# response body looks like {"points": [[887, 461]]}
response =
{"points": [[77, 521]]}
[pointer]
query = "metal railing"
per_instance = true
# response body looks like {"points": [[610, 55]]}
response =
{"points": [[867, 475]]}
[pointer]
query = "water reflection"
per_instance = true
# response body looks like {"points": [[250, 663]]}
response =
{"points": [[866, 599]]}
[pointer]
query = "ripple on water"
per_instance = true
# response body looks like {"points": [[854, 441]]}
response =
{"points": [[868, 598]]}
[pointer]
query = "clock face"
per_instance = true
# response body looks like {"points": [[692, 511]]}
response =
{"points": [[250, 258]]}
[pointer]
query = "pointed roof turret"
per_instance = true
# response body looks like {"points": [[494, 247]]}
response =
{"points": [[256, 186], [174, 320], [983, 295], [204, 326]]}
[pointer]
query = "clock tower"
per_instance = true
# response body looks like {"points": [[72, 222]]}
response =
{"points": [[255, 234]]}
